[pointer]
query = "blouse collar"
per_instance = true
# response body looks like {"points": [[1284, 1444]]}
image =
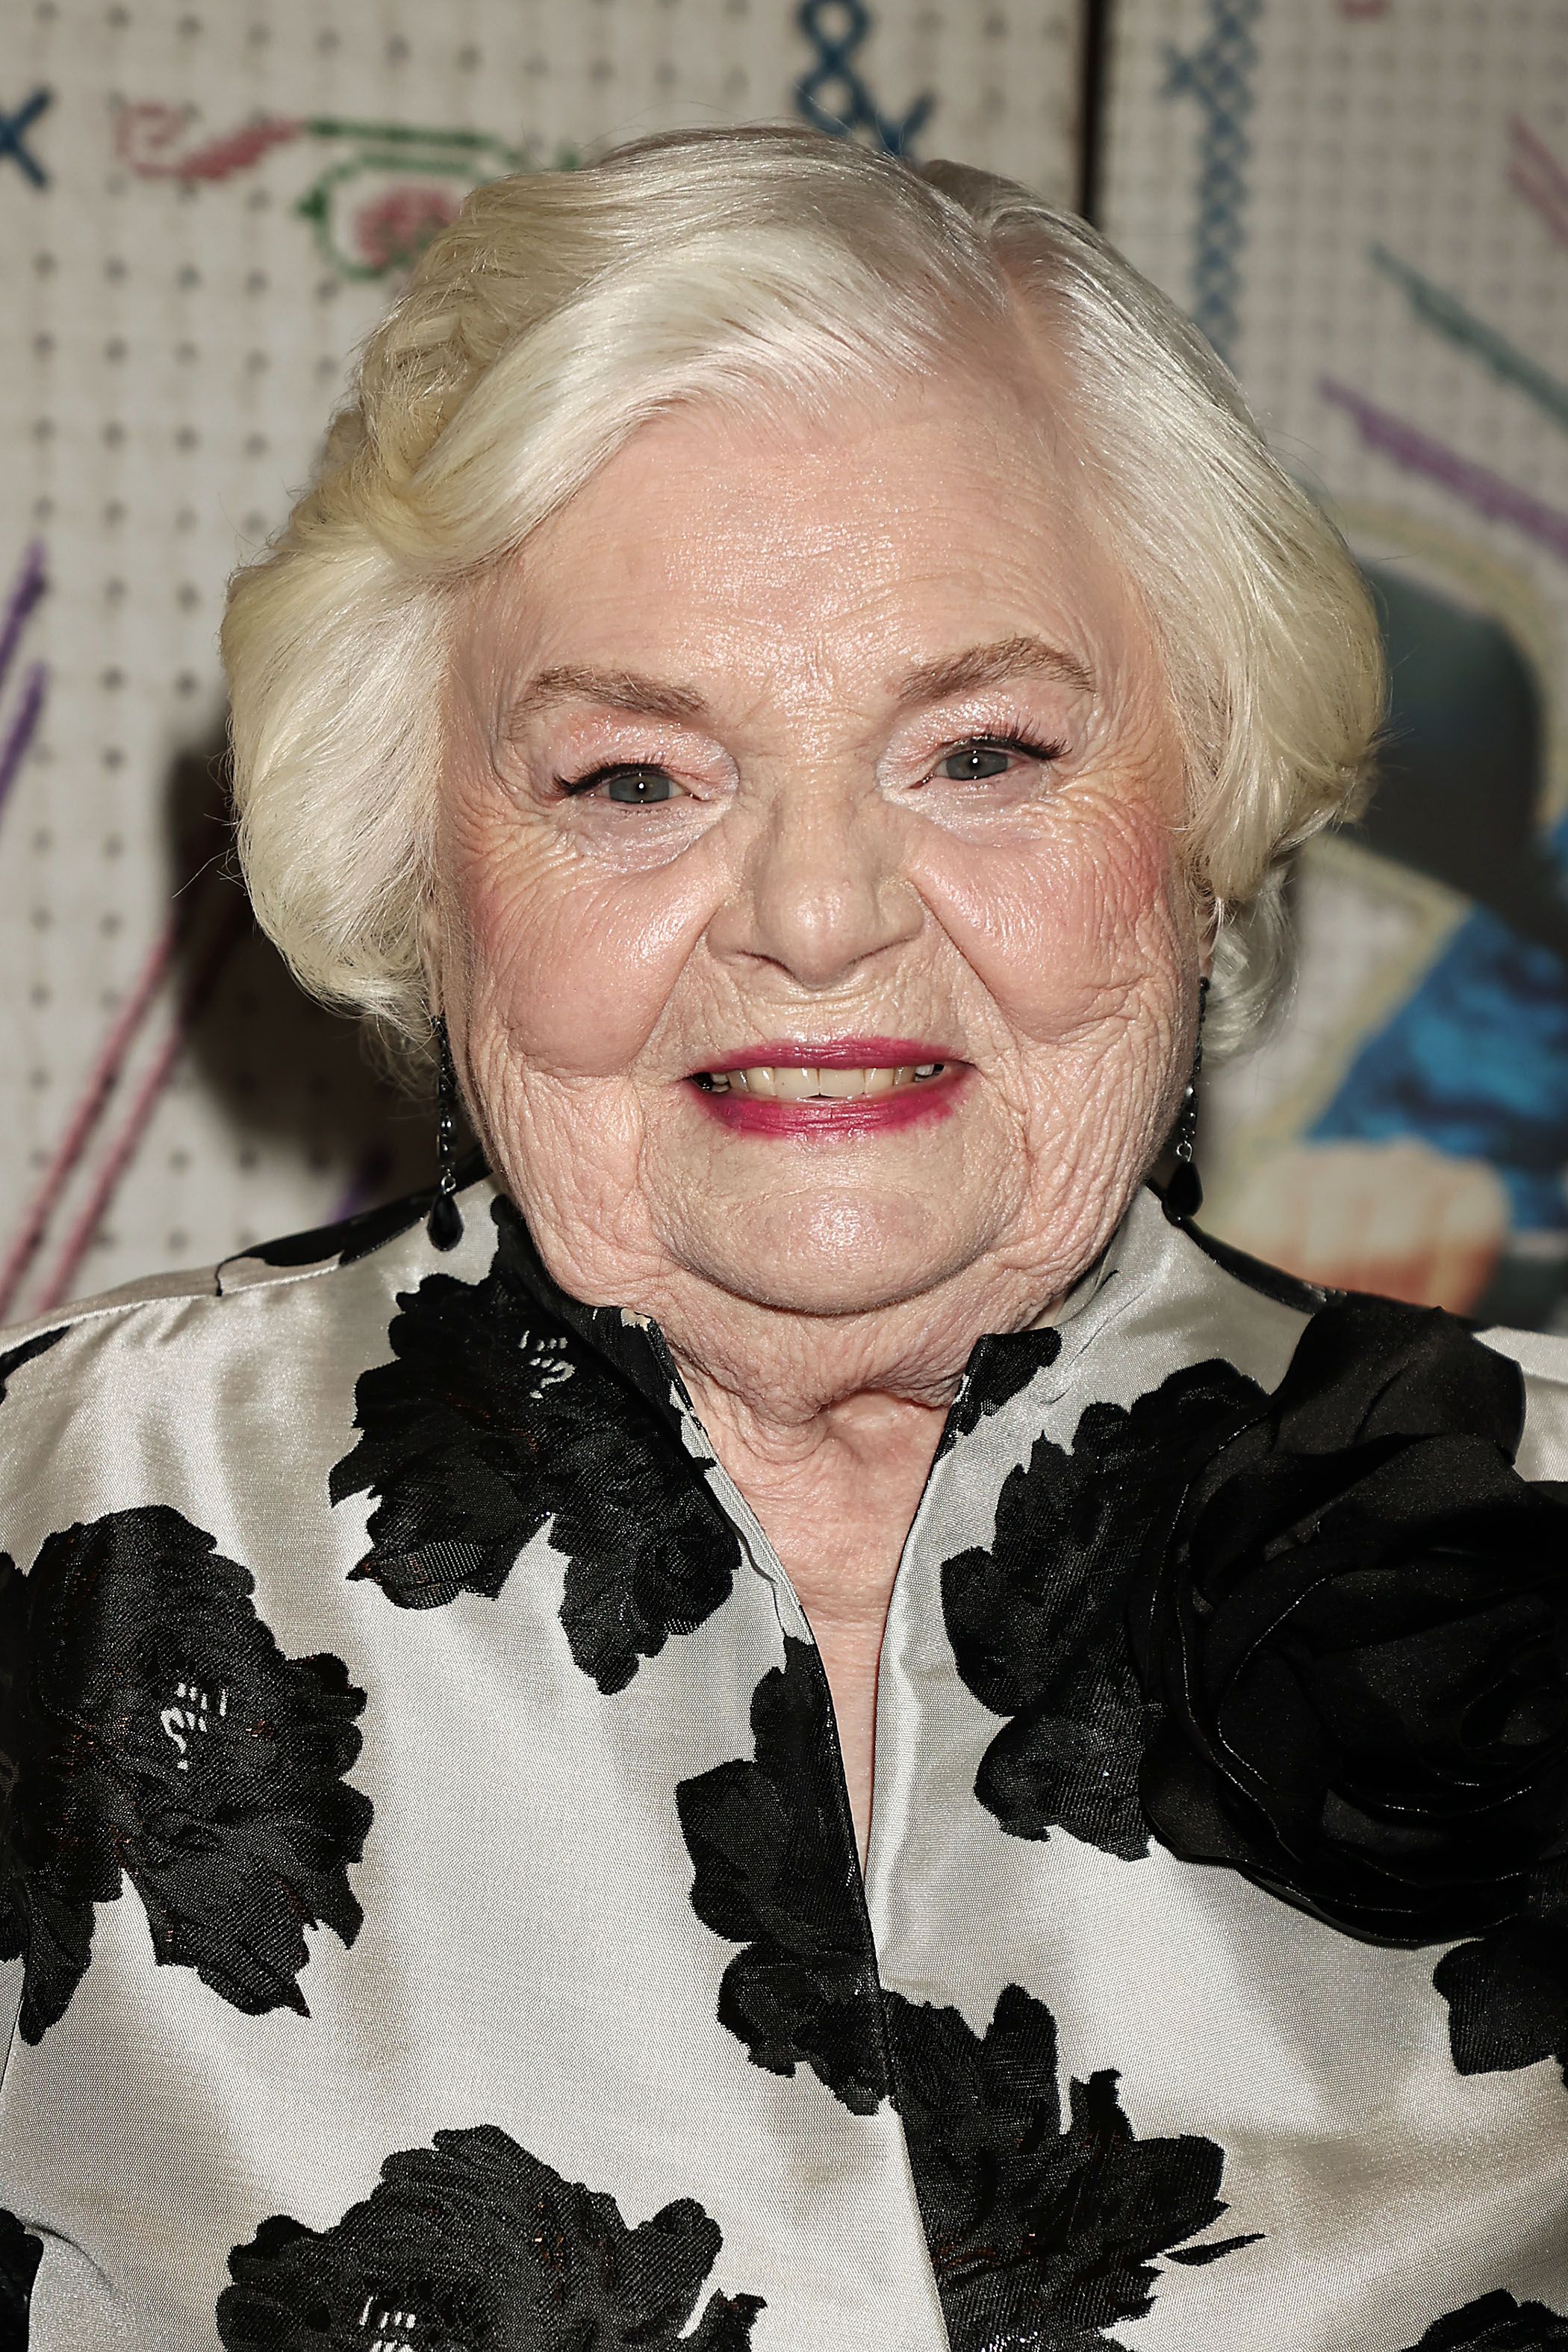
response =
{"points": [[998, 1365]]}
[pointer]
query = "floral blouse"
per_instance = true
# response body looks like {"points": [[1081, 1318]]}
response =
{"points": [[430, 1905]]}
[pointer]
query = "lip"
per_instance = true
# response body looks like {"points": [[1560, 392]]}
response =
{"points": [[833, 1053], [933, 1098]]}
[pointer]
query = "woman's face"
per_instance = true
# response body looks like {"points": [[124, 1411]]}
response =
{"points": [[811, 928]]}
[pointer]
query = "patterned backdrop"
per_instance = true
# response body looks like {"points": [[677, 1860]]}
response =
{"points": [[205, 207], [1363, 202]]}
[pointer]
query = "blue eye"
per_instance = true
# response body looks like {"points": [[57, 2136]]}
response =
{"points": [[975, 763], [989, 756], [638, 786], [632, 787]]}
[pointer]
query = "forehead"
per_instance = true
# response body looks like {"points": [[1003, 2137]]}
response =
{"points": [[940, 514]]}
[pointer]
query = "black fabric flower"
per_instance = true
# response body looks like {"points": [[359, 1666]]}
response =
{"points": [[1042, 2232], [776, 1872], [24, 1352], [1508, 1992], [474, 2245], [20, 2254], [153, 1729], [1496, 2323], [1359, 1636], [1001, 1367], [1036, 1618], [491, 1423]]}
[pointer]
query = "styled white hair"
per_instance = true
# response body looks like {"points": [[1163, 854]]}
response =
{"points": [[563, 309]]}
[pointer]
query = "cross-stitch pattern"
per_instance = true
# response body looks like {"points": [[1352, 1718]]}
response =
{"points": [[1219, 76], [204, 209], [1397, 308], [13, 130], [834, 95], [372, 210]]}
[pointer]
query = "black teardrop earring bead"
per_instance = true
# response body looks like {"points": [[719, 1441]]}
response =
{"points": [[1184, 1193], [445, 1223]]}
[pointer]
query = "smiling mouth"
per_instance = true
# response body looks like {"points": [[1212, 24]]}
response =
{"points": [[830, 1087], [787, 1082]]}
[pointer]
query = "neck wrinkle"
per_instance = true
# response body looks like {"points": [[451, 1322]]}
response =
{"points": [[791, 1417]]}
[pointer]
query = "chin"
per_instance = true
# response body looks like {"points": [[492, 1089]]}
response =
{"points": [[830, 1257]]}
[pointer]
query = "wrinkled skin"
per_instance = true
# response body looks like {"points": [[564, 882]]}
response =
{"points": [[816, 874]]}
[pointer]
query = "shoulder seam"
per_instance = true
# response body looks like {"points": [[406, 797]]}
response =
{"points": [[72, 1316], [272, 1276], [77, 1314]]}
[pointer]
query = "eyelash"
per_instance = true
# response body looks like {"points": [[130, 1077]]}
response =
{"points": [[1027, 747], [1024, 747], [572, 787]]}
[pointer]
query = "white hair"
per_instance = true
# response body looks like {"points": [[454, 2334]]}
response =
{"points": [[563, 309]]}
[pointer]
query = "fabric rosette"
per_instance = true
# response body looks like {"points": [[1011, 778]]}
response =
{"points": [[1357, 1640]]}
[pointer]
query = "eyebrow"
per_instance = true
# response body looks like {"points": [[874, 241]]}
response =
{"points": [[620, 689], [932, 681], [950, 674]]}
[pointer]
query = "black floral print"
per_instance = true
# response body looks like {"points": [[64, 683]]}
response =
{"points": [[13, 1358], [1496, 2323], [493, 1422], [1036, 1617], [154, 1731], [1043, 2232], [1508, 1990], [1356, 1634], [777, 1872], [1359, 1641], [474, 2245], [1000, 1369], [20, 2254], [1106, 1595]]}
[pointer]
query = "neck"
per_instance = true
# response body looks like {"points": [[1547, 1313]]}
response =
{"points": [[834, 1481], [873, 1440], [784, 1380], [828, 1426], [830, 1431]]}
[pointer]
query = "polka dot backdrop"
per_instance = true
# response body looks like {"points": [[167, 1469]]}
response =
{"points": [[206, 204], [1364, 202]]}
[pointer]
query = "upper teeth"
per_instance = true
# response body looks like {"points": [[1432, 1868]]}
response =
{"points": [[787, 1083]]}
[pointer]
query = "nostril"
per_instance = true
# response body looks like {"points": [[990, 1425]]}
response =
{"points": [[820, 926]]}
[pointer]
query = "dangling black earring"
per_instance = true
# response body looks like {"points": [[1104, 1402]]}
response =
{"points": [[445, 1223], [1184, 1193]]}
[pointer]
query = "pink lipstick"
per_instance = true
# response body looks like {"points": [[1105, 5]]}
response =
{"points": [[839, 1086]]}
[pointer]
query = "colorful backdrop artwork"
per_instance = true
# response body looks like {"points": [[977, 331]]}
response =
{"points": [[1396, 222], [1364, 203], [373, 207]]}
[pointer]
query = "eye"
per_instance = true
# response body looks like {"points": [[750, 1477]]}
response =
{"points": [[988, 756], [631, 787]]}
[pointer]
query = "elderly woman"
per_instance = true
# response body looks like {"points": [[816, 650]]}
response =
{"points": [[797, 1720]]}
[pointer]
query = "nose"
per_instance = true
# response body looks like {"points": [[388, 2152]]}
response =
{"points": [[820, 889]]}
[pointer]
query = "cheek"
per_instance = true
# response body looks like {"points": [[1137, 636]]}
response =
{"points": [[1066, 929], [573, 965]]}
